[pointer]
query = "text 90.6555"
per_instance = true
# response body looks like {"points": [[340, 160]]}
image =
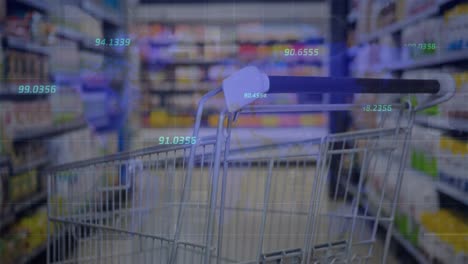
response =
{"points": [[301, 52]]}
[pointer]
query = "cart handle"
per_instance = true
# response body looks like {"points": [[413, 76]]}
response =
{"points": [[251, 79], [303, 84]]}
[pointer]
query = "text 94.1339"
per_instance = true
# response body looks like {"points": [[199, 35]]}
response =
{"points": [[113, 42]]}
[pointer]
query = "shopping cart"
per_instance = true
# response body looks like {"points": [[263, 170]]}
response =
{"points": [[210, 203]]}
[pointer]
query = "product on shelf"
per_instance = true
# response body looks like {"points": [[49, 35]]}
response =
{"points": [[27, 152], [22, 185], [2, 10], [456, 109], [26, 115], [66, 104], [65, 57], [29, 26], [24, 237], [423, 154], [4, 172], [90, 61], [189, 74], [217, 52], [452, 163], [80, 145], [444, 236], [25, 68], [258, 32], [456, 28], [422, 39]]}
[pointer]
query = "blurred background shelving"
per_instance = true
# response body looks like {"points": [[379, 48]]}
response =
{"points": [[181, 61], [52, 43], [385, 40]]}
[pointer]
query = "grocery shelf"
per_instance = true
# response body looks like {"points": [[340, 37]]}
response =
{"points": [[452, 192], [4, 160], [48, 131], [199, 61], [68, 33], [398, 26], [21, 207], [402, 241], [34, 200], [30, 165], [366, 202], [41, 5], [441, 123], [435, 60], [6, 220], [32, 255], [111, 17], [18, 43], [310, 41], [168, 87]]}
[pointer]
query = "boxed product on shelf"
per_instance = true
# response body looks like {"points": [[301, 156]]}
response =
{"points": [[2, 10], [71, 17], [73, 146], [66, 104], [155, 78], [91, 61], [259, 32], [22, 185], [422, 39], [27, 152], [423, 155], [65, 57], [414, 7], [29, 26], [4, 173], [183, 52], [189, 74], [91, 27], [443, 236], [452, 162], [216, 52], [385, 13], [456, 108], [26, 115], [25, 68], [24, 237], [189, 33], [456, 28]]}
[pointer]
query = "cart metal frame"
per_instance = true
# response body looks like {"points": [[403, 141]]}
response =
{"points": [[209, 203]]}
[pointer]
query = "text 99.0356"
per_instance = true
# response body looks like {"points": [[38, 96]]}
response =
{"points": [[37, 89]]}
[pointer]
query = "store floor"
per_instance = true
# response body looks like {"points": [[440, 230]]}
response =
{"points": [[154, 208]]}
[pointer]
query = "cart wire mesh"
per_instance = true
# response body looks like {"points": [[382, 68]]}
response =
{"points": [[264, 204]]}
